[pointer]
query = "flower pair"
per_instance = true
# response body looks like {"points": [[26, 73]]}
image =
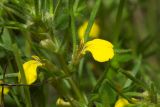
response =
{"points": [[100, 49]]}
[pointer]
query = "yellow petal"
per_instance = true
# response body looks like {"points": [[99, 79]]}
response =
{"points": [[101, 50], [30, 70], [121, 102], [93, 33], [5, 89]]}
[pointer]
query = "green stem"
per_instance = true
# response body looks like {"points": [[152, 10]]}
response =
{"points": [[23, 77], [75, 88], [80, 68], [75, 5], [9, 75], [134, 94], [101, 79], [51, 6], [131, 77], [91, 19], [152, 17], [71, 81], [73, 29], [15, 98], [55, 10], [37, 8], [115, 89], [118, 21], [153, 94]]}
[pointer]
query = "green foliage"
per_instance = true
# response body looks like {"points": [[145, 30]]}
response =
{"points": [[49, 30]]}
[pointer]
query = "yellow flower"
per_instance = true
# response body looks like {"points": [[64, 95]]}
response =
{"points": [[30, 70], [5, 89], [61, 103], [121, 102], [93, 33], [100, 49]]}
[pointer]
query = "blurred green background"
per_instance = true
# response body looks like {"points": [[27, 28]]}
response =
{"points": [[132, 26]]}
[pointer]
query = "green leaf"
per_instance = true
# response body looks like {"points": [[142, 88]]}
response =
{"points": [[6, 40], [135, 70], [91, 19]]}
